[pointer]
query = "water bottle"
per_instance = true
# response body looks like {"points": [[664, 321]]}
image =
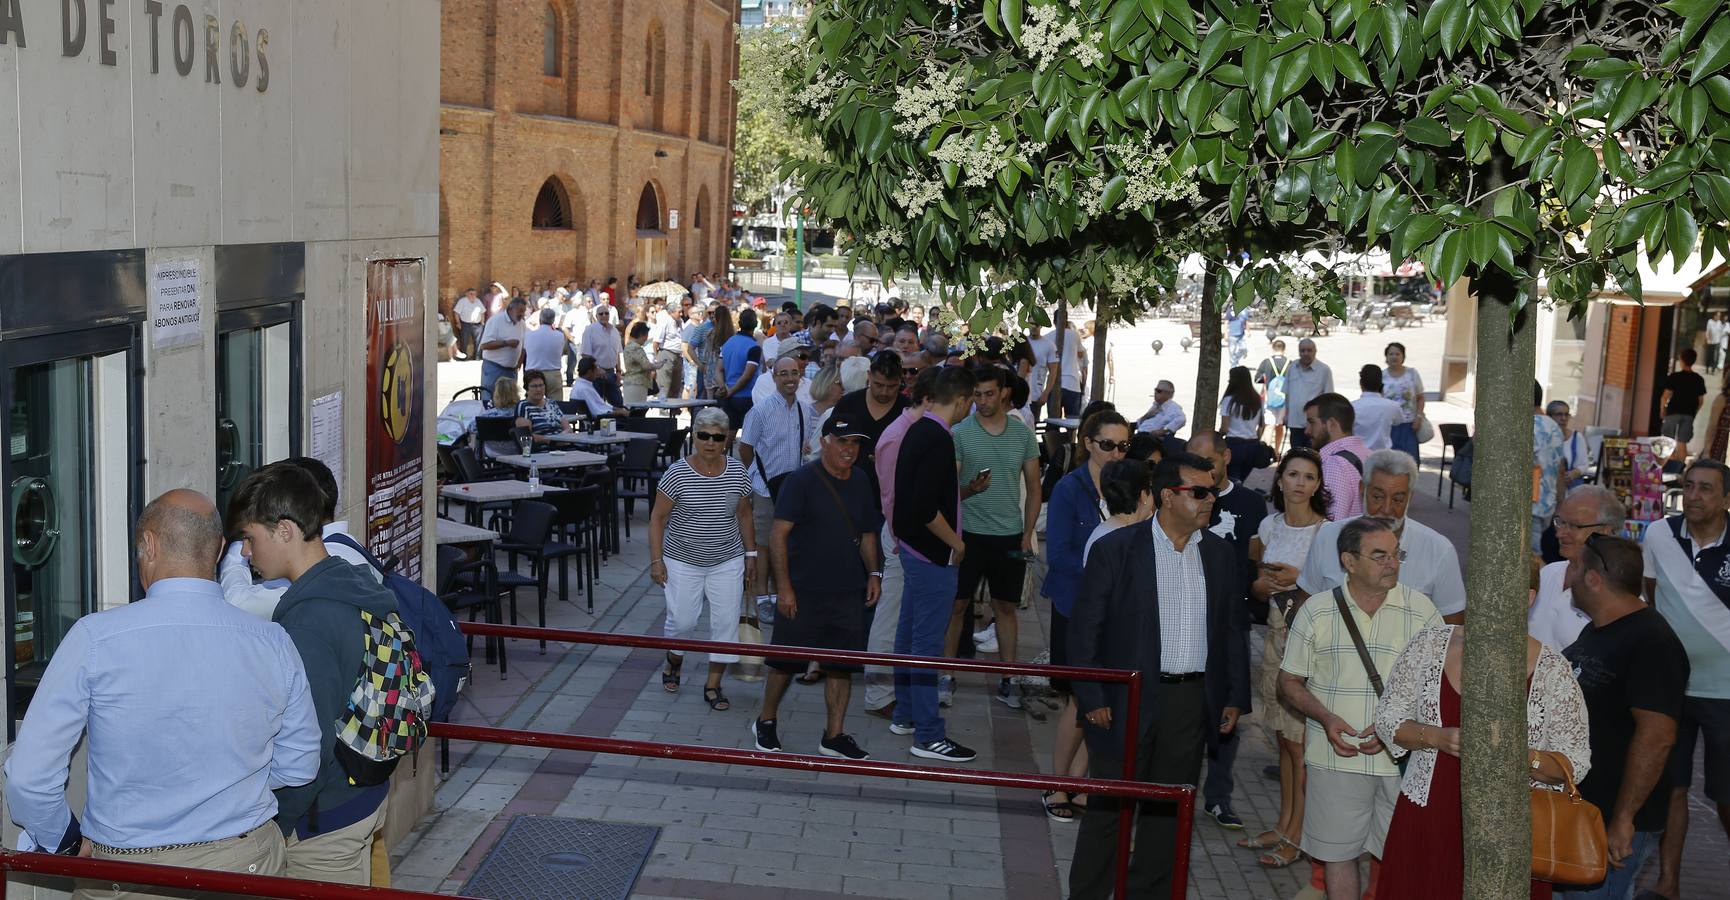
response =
{"points": [[534, 478]]}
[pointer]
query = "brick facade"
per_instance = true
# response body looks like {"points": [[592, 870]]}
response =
{"points": [[633, 80]]}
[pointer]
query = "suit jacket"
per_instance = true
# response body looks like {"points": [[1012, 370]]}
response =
{"points": [[1115, 625]]}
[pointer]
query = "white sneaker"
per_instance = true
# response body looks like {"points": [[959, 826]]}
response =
{"points": [[945, 691], [898, 728], [986, 641]]}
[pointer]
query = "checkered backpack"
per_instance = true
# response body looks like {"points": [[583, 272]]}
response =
{"points": [[387, 712]]}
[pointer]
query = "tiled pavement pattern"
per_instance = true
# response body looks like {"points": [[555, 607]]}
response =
{"points": [[765, 834]]}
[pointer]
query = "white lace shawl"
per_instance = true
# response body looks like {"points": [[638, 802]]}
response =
{"points": [[1555, 709]]}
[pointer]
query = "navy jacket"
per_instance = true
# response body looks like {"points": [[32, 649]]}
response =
{"points": [[1115, 625]]}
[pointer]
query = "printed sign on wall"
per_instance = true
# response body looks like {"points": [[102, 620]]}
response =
{"points": [[395, 394]]}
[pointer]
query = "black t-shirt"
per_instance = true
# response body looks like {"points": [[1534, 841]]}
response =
{"points": [[855, 410], [1635, 662], [821, 553], [926, 486], [1686, 389], [1246, 509]]}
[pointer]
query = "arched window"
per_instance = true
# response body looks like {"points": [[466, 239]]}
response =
{"points": [[655, 74], [550, 44], [702, 214], [648, 210], [706, 86], [552, 206]]}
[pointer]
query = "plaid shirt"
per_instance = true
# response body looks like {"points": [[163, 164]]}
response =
{"points": [[1182, 603], [1320, 650]]}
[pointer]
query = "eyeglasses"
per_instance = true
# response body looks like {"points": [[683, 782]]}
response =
{"points": [[1110, 446], [1562, 525], [1385, 559], [1198, 491], [711, 437]]}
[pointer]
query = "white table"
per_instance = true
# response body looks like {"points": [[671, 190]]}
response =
{"points": [[450, 531], [492, 491], [599, 439], [553, 459], [682, 403], [1066, 424]]}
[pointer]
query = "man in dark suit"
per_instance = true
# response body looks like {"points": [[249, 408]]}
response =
{"points": [[1165, 598]]}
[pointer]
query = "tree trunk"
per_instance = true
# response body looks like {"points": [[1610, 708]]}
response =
{"points": [[1205, 414], [1100, 326], [1493, 707]]}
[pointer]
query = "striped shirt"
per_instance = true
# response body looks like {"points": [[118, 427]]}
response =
{"points": [[1182, 603], [703, 529], [544, 419], [1320, 649], [778, 433]]}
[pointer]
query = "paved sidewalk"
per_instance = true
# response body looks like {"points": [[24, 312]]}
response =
{"points": [[737, 832]]}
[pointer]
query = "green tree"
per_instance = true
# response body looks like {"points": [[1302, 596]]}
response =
{"points": [[766, 138], [1015, 150]]}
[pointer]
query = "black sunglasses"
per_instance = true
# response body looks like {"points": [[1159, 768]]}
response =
{"points": [[1110, 446], [710, 436], [1198, 491]]}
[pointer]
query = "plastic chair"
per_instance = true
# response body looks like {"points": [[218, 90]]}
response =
{"points": [[474, 393], [493, 429], [1454, 436], [639, 473], [531, 535], [465, 584], [579, 523]]}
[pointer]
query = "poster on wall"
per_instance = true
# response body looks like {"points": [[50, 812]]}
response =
{"points": [[395, 394], [174, 313]]}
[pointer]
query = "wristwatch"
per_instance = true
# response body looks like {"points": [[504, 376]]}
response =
{"points": [[750, 554]]}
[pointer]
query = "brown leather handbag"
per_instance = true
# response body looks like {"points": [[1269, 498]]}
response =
{"points": [[1569, 845]]}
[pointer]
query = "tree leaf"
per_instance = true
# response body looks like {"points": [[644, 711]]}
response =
{"points": [[992, 20], [1124, 13], [1012, 10], [1351, 65], [1154, 10], [1683, 233], [1428, 131], [1714, 51]]}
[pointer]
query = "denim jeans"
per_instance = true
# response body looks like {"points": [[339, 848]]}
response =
{"points": [[1216, 790], [1619, 883], [926, 602], [492, 372]]}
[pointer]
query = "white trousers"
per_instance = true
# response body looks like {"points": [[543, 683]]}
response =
{"points": [[722, 584]]}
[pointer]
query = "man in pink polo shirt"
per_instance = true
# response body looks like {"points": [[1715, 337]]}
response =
{"points": [[1328, 421]]}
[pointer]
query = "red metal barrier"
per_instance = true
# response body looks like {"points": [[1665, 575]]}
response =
{"points": [[120, 872], [1183, 795]]}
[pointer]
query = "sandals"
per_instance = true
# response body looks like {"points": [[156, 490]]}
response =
{"points": [[1057, 812], [1278, 859], [717, 701], [670, 677], [809, 677], [1256, 843]]}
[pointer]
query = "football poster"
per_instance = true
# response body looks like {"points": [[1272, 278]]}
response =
{"points": [[395, 398]]}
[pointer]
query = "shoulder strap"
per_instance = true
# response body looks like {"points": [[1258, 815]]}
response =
{"points": [[355, 545], [1358, 639], [1352, 458], [1280, 372], [839, 504]]}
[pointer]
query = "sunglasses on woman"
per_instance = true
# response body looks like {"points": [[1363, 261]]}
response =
{"points": [[1110, 446], [711, 437]]}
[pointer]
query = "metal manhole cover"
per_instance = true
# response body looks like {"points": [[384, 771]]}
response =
{"points": [[546, 857]]}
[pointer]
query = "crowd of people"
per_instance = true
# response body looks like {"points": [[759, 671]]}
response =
{"points": [[873, 501]]}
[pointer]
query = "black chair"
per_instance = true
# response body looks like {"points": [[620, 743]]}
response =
{"points": [[578, 524], [638, 474], [531, 535], [465, 584], [493, 429], [474, 393], [1454, 436]]}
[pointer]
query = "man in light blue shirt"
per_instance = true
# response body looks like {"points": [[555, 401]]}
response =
{"points": [[192, 712]]}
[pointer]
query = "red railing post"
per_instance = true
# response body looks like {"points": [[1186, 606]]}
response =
{"points": [[1126, 807]]}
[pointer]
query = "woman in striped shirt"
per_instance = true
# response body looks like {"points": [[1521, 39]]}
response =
{"points": [[535, 413], [702, 546]]}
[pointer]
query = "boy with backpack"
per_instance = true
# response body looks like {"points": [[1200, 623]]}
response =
{"points": [[344, 624], [1271, 376]]}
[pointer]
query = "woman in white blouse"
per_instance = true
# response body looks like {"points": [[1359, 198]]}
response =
{"points": [[1424, 854]]}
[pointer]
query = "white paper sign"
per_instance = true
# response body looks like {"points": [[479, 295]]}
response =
{"points": [[327, 432], [174, 313], [672, 220]]}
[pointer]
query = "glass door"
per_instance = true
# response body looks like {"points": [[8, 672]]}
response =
{"points": [[49, 493], [239, 411]]}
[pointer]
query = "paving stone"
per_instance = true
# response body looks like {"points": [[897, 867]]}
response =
{"points": [[786, 878]]}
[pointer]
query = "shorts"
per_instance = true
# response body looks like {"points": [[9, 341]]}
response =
{"points": [[1060, 650], [762, 520], [1703, 716], [1347, 813], [1679, 427], [827, 620], [988, 558]]}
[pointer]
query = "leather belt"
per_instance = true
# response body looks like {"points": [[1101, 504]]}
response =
{"points": [[1179, 677], [142, 851]]}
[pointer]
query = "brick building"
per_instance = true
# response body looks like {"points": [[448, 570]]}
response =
{"points": [[584, 138]]}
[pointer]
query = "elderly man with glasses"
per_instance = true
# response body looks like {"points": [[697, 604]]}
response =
{"points": [[1554, 619], [1353, 783]]}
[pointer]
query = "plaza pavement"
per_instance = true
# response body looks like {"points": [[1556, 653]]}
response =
{"points": [[742, 832]]}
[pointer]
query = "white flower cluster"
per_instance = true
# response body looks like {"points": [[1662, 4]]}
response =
{"points": [[1087, 52], [1130, 279], [1148, 177], [884, 238], [819, 95], [991, 226], [1299, 292], [980, 165], [1045, 34], [916, 193], [921, 105]]}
